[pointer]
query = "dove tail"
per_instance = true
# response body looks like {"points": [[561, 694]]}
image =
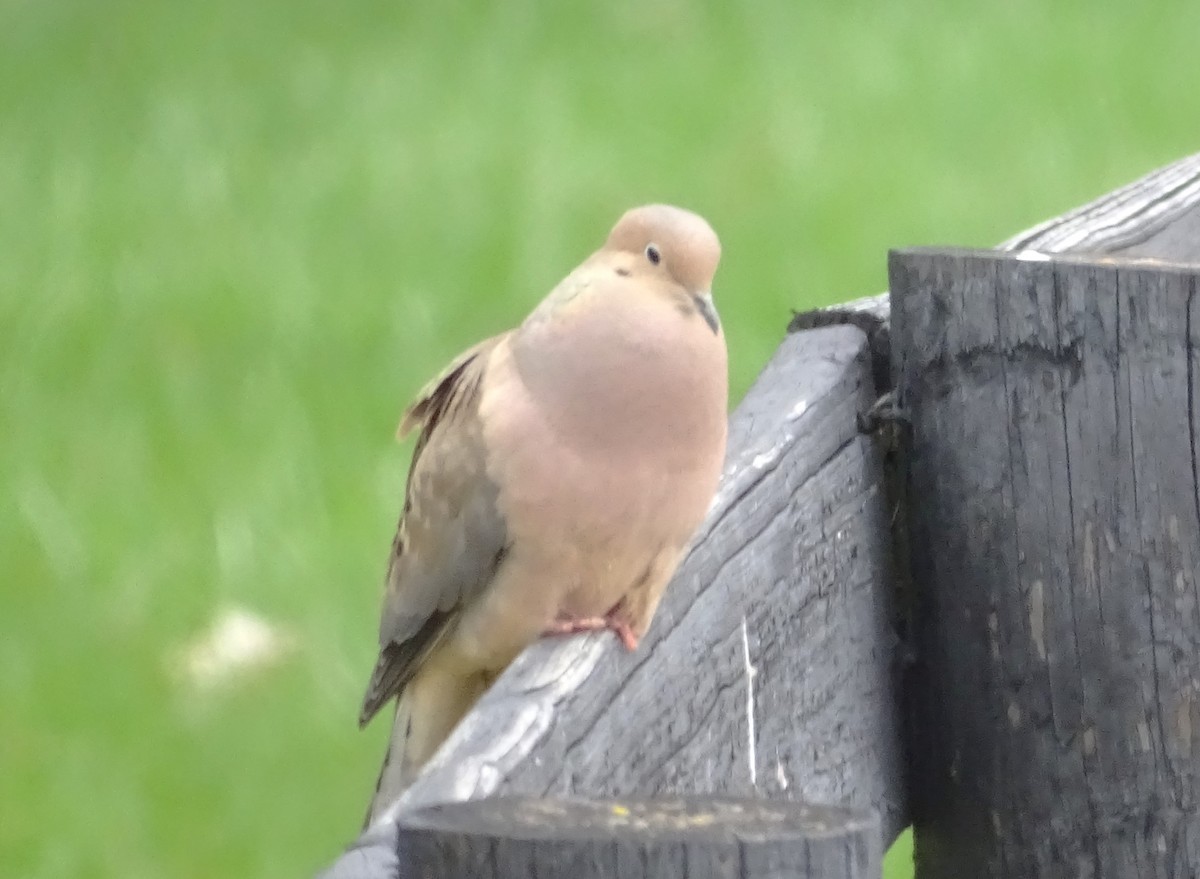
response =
{"points": [[427, 710], [396, 774]]}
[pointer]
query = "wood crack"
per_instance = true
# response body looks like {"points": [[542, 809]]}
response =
{"points": [[1190, 354]]}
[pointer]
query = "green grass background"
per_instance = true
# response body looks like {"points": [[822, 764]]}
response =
{"points": [[235, 237]]}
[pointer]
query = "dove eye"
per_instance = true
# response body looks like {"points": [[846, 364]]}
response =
{"points": [[653, 254]]}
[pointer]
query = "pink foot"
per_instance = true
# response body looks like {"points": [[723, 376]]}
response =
{"points": [[593, 624], [569, 626]]}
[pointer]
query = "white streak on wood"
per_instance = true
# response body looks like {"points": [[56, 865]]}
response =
{"points": [[1037, 617], [751, 671], [763, 459], [720, 497], [771, 455]]}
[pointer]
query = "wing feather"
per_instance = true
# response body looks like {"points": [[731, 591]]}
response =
{"points": [[450, 538]]}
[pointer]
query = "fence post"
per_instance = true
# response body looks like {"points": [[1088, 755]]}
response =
{"points": [[697, 837], [1054, 514]]}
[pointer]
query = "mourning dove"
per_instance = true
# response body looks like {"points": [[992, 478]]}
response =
{"points": [[560, 472]]}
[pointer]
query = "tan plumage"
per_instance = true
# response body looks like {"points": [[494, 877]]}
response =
{"points": [[560, 471]]}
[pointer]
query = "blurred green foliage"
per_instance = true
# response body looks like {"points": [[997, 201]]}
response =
{"points": [[236, 236]]}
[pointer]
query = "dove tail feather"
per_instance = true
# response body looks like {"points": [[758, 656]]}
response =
{"points": [[428, 709], [394, 776], [398, 663]]}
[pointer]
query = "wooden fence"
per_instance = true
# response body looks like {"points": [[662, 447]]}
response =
{"points": [[982, 619]]}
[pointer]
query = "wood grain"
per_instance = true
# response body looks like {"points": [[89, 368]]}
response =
{"points": [[1055, 545]]}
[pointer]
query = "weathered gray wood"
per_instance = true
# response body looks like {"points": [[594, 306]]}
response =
{"points": [[1156, 216], [1140, 219], [697, 837], [1055, 524]]}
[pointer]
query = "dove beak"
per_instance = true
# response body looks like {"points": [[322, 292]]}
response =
{"points": [[708, 311]]}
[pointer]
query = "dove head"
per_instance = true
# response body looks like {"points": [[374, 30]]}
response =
{"points": [[628, 350], [663, 240]]}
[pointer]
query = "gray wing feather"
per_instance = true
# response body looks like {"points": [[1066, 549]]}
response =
{"points": [[451, 537]]}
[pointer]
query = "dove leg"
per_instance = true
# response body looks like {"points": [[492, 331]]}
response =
{"points": [[439, 697], [575, 625]]}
